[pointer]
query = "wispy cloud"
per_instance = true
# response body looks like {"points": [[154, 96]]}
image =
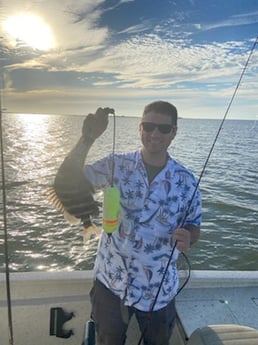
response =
{"points": [[235, 20]]}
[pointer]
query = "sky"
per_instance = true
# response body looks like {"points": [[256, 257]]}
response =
{"points": [[73, 56]]}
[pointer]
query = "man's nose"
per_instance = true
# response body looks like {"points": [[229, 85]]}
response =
{"points": [[155, 131]]}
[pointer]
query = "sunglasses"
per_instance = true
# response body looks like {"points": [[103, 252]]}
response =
{"points": [[150, 126]]}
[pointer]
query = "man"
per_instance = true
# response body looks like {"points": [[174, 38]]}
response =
{"points": [[160, 207]]}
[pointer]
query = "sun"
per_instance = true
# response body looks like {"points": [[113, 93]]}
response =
{"points": [[31, 30]]}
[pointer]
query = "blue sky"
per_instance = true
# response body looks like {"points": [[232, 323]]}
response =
{"points": [[67, 56]]}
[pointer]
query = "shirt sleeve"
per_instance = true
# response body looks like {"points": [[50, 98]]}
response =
{"points": [[194, 216]]}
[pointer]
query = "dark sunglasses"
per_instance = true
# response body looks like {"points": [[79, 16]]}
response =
{"points": [[150, 126]]}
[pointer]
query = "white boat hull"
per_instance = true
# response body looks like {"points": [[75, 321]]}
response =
{"points": [[34, 294]]}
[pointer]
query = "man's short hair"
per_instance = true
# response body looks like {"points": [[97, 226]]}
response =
{"points": [[162, 107]]}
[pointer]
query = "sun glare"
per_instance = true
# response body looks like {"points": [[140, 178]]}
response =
{"points": [[29, 29]]}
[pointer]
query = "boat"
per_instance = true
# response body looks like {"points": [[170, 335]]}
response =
{"points": [[215, 308]]}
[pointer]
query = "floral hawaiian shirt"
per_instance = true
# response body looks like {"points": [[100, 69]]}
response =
{"points": [[131, 261]]}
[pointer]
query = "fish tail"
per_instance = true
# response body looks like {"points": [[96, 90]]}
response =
{"points": [[91, 231]]}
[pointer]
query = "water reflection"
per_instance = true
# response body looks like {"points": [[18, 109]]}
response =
{"points": [[40, 239], [32, 129]]}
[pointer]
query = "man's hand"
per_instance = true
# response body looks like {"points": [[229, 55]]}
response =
{"points": [[186, 236], [95, 124], [183, 238]]}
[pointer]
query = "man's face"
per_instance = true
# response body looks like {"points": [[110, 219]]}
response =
{"points": [[154, 140]]}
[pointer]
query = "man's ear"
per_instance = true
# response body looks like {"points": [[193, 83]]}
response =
{"points": [[174, 131]]}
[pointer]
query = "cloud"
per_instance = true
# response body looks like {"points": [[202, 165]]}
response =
{"points": [[136, 29], [148, 61], [73, 23], [148, 56], [139, 60], [234, 20]]}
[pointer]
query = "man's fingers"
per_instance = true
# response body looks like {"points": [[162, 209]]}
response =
{"points": [[104, 111], [183, 238], [95, 124]]}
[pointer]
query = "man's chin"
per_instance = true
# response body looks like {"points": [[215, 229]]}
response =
{"points": [[154, 148]]}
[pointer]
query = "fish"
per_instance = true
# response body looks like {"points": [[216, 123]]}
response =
{"points": [[73, 195]]}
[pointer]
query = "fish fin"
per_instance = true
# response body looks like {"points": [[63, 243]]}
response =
{"points": [[54, 199], [91, 231]]}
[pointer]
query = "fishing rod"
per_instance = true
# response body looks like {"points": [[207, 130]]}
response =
{"points": [[6, 252], [197, 186]]}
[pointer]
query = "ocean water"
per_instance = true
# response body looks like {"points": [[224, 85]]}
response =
{"points": [[39, 239]]}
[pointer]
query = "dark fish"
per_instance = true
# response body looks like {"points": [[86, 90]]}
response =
{"points": [[72, 194]]}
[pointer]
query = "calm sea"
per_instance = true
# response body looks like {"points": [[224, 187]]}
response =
{"points": [[40, 240]]}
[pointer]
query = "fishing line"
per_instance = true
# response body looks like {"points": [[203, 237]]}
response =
{"points": [[6, 251], [111, 202], [197, 186], [221, 124], [113, 149]]}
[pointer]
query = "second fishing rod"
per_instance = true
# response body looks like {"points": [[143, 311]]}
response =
{"points": [[197, 186]]}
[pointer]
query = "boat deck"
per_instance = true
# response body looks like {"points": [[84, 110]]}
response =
{"points": [[210, 298], [214, 298]]}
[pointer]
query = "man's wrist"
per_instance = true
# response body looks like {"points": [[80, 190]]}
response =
{"points": [[190, 234], [194, 233], [81, 149]]}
